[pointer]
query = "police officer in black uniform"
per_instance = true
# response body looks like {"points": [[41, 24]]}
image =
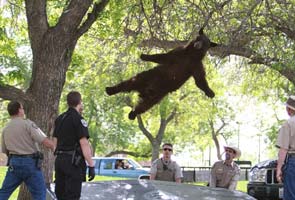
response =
{"points": [[72, 149]]}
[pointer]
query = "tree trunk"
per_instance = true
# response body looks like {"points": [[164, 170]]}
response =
{"points": [[156, 141], [217, 145], [48, 82], [52, 49], [155, 150]]}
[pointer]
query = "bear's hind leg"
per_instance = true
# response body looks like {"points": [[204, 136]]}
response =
{"points": [[124, 86], [144, 105]]}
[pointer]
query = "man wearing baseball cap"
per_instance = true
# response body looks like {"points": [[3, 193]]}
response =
{"points": [[226, 173], [286, 155]]}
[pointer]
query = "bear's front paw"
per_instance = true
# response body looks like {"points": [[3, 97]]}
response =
{"points": [[144, 57], [110, 90], [210, 93], [132, 115]]}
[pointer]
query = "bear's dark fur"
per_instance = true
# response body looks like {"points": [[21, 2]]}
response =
{"points": [[174, 69]]}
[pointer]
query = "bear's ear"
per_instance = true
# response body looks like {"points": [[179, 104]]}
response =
{"points": [[198, 44], [201, 31], [213, 44]]}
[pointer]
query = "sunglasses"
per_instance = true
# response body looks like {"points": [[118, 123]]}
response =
{"points": [[167, 149], [230, 151]]}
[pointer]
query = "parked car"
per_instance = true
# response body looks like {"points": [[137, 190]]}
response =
{"points": [[151, 190], [119, 167], [263, 184]]}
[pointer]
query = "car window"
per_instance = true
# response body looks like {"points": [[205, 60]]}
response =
{"points": [[107, 164], [134, 164], [127, 164], [96, 163]]}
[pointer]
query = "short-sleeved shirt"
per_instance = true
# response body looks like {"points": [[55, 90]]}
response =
{"points": [[225, 176], [171, 172], [70, 127], [20, 137], [286, 136]]}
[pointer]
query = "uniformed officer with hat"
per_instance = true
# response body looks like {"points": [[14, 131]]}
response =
{"points": [[226, 173], [286, 155], [73, 148], [20, 140]]}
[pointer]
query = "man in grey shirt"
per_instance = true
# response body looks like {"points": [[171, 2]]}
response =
{"points": [[164, 168], [18, 142], [286, 155], [226, 173]]}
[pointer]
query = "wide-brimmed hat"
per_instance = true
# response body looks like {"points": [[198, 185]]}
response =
{"points": [[291, 102], [237, 150]]}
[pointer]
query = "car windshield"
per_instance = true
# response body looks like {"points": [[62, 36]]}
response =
{"points": [[135, 164]]}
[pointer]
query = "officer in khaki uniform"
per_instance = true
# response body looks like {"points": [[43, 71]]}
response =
{"points": [[18, 142], [165, 169], [286, 155], [226, 173]]}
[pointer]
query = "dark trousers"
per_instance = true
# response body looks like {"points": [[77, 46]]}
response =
{"points": [[68, 178], [289, 179]]}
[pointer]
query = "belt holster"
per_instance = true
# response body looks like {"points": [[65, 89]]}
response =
{"points": [[38, 156], [77, 156]]}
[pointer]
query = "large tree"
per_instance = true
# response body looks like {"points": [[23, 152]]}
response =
{"points": [[52, 49]]}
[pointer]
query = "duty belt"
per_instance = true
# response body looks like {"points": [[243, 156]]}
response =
{"points": [[61, 152], [23, 155]]}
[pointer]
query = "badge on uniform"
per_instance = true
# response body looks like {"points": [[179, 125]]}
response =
{"points": [[34, 125], [84, 123]]}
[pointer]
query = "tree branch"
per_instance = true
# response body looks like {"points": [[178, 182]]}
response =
{"points": [[8, 92], [147, 18], [91, 18], [131, 153], [37, 21], [223, 51], [73, 15], [143, 129], [171, 116], [290, 33], [161, 131], [221, 127]]}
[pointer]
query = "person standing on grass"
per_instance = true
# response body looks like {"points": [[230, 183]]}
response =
{"points": [[72, 149], [20, 139], [226, 173], [286, 155], [165, 169]]}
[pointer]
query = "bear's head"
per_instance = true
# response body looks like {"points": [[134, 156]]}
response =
{"points": [[202, 42]]}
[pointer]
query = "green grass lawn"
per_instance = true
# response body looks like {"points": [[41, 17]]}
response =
{"points": [[15, 193], [2, 176], [242, 185]]}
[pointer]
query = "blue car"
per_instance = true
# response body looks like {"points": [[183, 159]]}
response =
{"points": [[119, 167]]}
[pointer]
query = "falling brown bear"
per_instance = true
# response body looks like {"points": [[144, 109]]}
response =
{"points": [[174, 69]]}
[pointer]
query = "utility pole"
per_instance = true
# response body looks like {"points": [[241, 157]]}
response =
{"points": [[209, 155], [259, 136]]}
